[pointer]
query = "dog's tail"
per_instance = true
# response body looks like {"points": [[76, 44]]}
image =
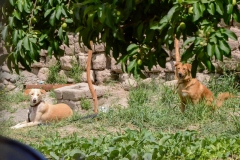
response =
{"points": [[224, 96]]}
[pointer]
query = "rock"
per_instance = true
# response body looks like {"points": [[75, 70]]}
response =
{"points": [[29, 78], [203, 78], [128, 84], [124, 76], [43, 53], [70, 80], [35, 70], [10, 87], [71, 39], [67, 61], [5, 82], [84, 76], [169, 76], [63, 74], [14, 78], [51, 61], [5, 69], [2, 86], [99, 61], [43, 74], [172, 83], [5, 75], [38, 65], [99, 48], [233, 44], [78, 91], [156, 68], [82, 60], [116, 67], [170, 66], [69, 50], [102, 76], [235, 30]]}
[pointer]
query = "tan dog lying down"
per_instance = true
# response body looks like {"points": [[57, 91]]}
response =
{"points": [[41, 112], [190, 89]]}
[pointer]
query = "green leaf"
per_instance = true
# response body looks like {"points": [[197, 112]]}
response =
{"points": [[52, 18], [26, 43], [208, 64], [68, 20], [218, 54], [15, 37], [51, 2], [211, 8], [229, 8], [11, 22], [197, 11], [47, 12], [101, 14], [60, 33], [131, 47], [16, 14], [224, 47], [131, 65], [230, 34], [9, 61], [219, 6], [19, 46], [54, 155], [20, 4], [26, 6], [189, 40], [210, 49], [58, 12], [12, 2], [4, 33], [172, 11]]}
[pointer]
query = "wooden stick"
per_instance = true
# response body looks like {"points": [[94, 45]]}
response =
{"points": [[177, 53], [90, 85]]}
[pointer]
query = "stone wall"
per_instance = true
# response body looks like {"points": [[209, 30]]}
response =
{"points": [[103, 67]]}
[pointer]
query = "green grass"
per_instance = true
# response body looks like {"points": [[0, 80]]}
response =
{"points": [[7, 100], [152, 107]]}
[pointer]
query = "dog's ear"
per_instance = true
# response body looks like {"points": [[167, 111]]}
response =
{"points": [[189, 67], [27, 91], [43, 91]]}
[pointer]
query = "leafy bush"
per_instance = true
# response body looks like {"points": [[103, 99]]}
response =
{"points": [[141, 145]]}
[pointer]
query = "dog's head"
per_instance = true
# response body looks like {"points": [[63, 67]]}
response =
{"points": [[183, 71], [35, 95]]}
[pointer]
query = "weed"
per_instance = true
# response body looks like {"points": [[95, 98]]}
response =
{"points": [[86, 104], [54, 77], [76, 72]]}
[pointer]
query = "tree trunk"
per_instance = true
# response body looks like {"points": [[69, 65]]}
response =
{"points": [[90, 85]]}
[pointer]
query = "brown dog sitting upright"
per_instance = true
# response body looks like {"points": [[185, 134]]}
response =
{"points": [[190, 89], [41, 112]]}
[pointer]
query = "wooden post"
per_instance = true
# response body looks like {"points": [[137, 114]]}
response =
{"points": [[90, 85], [177, 53]]}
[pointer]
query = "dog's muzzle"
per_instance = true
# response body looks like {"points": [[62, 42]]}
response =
{"points": [[34, 101], [180, 75]]}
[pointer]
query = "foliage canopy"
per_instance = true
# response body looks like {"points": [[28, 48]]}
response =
{"points": [[137, 32]]}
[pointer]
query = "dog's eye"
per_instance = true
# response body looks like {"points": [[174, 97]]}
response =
{"points": [[37, 94]]}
